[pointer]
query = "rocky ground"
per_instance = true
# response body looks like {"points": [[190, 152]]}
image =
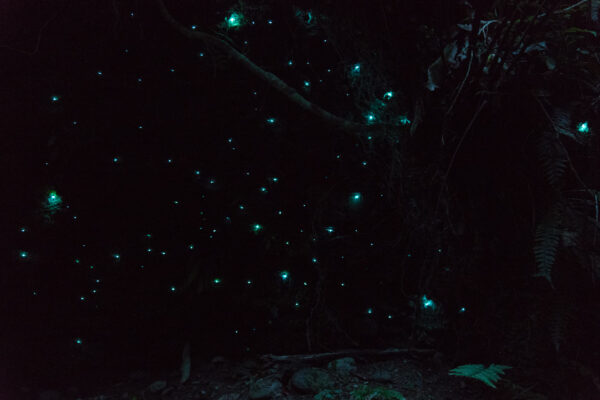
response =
{"points": [[352, 375]]}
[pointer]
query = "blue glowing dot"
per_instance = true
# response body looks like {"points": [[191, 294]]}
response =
{"points": [[23, 229], [314, 260], [290, 62], [194, 27], [263, 189], [404, 120], [55, 98], [216, 281], [427, 303], [270, 22], [306, 84], [172, 288], [99, 73], [271, 120], [149, 250], [257, 228], [329, 229], [369, 311], [388, 95], [583, 127], [197, 172], [23, 254], [284, 275], [234, 20]]}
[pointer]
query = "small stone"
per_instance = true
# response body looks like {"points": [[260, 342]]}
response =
{"points": [[344, 365], [265, 388], [157, 386], [229, 396], [218, 360]]}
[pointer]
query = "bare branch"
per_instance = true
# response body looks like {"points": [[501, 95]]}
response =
{"points": [[319, 357], [272, 80]]}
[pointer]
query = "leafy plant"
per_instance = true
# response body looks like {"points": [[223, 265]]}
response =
{"points": [[366, 392], [328, 394], [488, 375]]}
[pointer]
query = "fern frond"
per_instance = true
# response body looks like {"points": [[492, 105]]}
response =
{"points": [[547, 237], [594, 7], [489, 375], [558, 324], [552, 158]]}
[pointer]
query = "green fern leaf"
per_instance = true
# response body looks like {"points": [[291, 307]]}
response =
{"points": [[558, 325], [489, 375], [545, 248], [552, 158]]}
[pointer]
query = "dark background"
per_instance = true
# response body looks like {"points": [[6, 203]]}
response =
{"points": [[481, 211]]}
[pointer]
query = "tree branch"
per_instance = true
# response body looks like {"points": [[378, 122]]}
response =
{"points": [[272, 80], [319, 357]]}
